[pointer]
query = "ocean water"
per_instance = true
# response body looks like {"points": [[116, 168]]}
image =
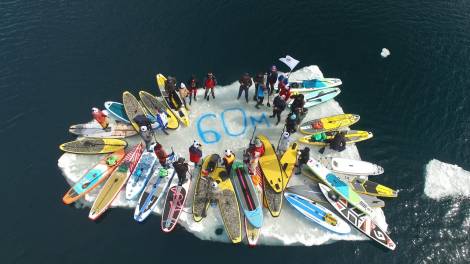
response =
{"points": [[58, 59]]}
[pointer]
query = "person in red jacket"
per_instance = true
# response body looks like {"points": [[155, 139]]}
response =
{"points": [[193, 85], [256, 151], [161, 154], [195, 153], [209, 83], [101, 117], [283, 88]]}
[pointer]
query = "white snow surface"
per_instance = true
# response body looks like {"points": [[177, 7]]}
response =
{"points": [[446, 180], [290, 228], [385, 53]]}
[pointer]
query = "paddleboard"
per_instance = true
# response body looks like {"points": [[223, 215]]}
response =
{"points": [[339, 186], [253, 233], [228, 205], [358, 219], [313, 192], [115, 182], [154, 190], [93, 145], [151, 103], [141, 175], [350, 166], [117, 111], [352, 136], [314, 84], [174, 203], [94, 177], [114, 130], [319, 96], [270, 165], [288, 161], [246, 194], [181, 113], [318, 214], [329, 123], [372, 188], [203, 187]]}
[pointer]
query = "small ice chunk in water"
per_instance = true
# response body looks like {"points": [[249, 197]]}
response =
{"points": [[385, 53]]}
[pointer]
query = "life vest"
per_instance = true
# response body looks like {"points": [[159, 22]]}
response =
{"points": [[195, 154], [256, 179], [317, 124], [257, 151], [229, 159], [210, 83], [101, 117]]}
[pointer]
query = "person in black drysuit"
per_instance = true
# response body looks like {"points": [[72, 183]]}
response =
{"points": [[338, 143], [146, 131], [271, 79], [304, 156], [297, 107], [291, 123], [245, 83], [279, 104], [259, 78], [171, 90], [181, 168]]}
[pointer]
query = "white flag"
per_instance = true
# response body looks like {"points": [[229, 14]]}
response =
{"points": [[289, 61]]}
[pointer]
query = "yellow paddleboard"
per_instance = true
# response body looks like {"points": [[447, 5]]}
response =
{"points": [[270, 166], [288, 161], [115, 182], [151, 103], [228, 205], [93, 145], [372, 188], [352, 136], [328, 123]]}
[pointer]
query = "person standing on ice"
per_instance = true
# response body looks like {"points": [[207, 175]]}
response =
{"points": [[161, 154], [228, 160], [304, 156], [259, 78], [209, 84], [279, 104], [284, 143], [291, 123], [195, 153], [271, 79], [245, 83], [183, 93], [193, 85], [283, 88], [297, 107], [146, 130], [260, 95], [181, 168], [171, 90], [101, 117], [256, 151]]}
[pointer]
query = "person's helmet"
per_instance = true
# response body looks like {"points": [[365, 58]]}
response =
{"points": [[293, 117], [273, 68], [258, 142], [285, 134], [228, 152], [196, 144], [209, 74], [182, 86], [214, 184], [246, 74], [281, 78], [180, 160], [94, 109], [143, 129]]}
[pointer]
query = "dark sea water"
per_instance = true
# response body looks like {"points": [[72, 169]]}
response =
{"points": [[59, 58]]}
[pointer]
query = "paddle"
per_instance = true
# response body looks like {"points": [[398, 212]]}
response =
{"points": [[89, 143]]}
